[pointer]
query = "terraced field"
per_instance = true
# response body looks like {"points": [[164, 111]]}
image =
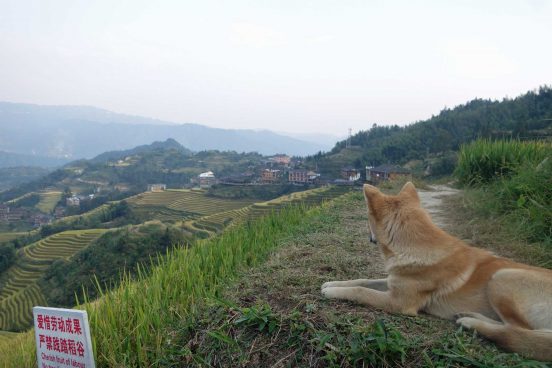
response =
{"points": [[48, 201], [19, 291], [178, 205], [215, 223], [195, 212]]}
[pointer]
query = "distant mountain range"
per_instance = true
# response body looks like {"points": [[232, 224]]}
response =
{"points": [[73, 132], [8, 159]]}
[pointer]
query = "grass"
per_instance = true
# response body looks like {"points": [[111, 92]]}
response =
{"points": [[251, 298], [482, 161], [274, 315], [513, 183]]}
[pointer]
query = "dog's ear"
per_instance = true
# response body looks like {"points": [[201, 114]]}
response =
{"points": [[372, 195], [370, 191], [409, 191]]}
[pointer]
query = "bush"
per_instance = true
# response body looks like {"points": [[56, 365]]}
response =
{"points": [[483, 161], [7, 256]]}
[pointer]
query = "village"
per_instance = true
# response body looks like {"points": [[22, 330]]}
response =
{"points": [[276, 170]]}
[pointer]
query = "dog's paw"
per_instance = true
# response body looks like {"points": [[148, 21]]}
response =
{"points": [[467, 322], [331, 292], [327, 284]]}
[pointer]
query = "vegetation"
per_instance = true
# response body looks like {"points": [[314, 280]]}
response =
{"points": [[527, 116], [250, 298], [48, 201], [105, 260], [19, 291], [513, 182], [484, 160], [257, 192]]}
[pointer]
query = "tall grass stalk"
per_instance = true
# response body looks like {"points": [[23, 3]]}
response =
{"points": [[482, 161], [513, 183]]}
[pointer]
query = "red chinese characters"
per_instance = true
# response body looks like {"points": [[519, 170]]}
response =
{"points": [[52, 323], [61, 345]]}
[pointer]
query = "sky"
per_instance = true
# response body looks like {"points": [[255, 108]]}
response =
{"points": [[293, 66]]}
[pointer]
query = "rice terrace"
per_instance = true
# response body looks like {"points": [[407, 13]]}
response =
{"points": [[190, 210]]}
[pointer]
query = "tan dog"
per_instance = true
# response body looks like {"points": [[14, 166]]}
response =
{"points": [[431, 271]]}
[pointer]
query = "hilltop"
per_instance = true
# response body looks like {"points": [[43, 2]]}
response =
{"points": [[433, 143]]}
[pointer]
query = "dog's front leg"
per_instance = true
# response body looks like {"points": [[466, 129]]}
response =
{"points": [[378, 299], [377, 284]]}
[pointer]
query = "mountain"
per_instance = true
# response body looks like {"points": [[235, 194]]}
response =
{"points": [[8, 159], [169, 144], [84, 132], [165, 162], [12, 176], [435, 140]]}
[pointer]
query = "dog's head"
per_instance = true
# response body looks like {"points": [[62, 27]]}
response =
{"points": [[388, 215]]}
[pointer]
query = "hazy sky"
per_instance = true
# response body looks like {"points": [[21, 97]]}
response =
{"points": [[298, 66]]}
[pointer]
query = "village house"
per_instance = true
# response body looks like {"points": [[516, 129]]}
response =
{"points": [[157, 187], [73, 201], [280, 159], [40, 219], [350, 174], [17, 214], [302, 176], [386, 172], [59, 212], [270, 176], [206, 179]]}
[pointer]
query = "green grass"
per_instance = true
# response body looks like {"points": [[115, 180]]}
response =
{"points": [[483, 161], [512, 182]]}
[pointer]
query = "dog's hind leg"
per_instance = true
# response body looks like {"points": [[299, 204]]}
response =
{"points": [[376, 284]]}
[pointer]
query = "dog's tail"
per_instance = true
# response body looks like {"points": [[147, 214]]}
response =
{"points": [[533, 344]]}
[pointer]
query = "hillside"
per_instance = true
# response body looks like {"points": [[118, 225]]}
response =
{"points": [[83, 132], [55, 268], [132, 170], [259, 302], [12, 176], [437, 138]]}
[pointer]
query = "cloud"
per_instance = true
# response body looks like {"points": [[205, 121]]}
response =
{"points": [[256, 35]]}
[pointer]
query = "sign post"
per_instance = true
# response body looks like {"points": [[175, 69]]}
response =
{"points": [[62, 338]]}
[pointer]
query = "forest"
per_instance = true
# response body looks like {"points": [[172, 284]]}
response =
{"points": [[524, 117]]}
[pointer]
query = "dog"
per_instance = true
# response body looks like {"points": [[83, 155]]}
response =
{"points": [[433, 272]]}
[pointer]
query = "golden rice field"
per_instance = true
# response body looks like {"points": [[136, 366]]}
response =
{"points": [[19, 291], [5, 237], [48, 201], [181, 205], [215, 223]]}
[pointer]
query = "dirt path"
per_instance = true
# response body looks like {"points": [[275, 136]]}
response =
{"points": [[432, 201]]}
